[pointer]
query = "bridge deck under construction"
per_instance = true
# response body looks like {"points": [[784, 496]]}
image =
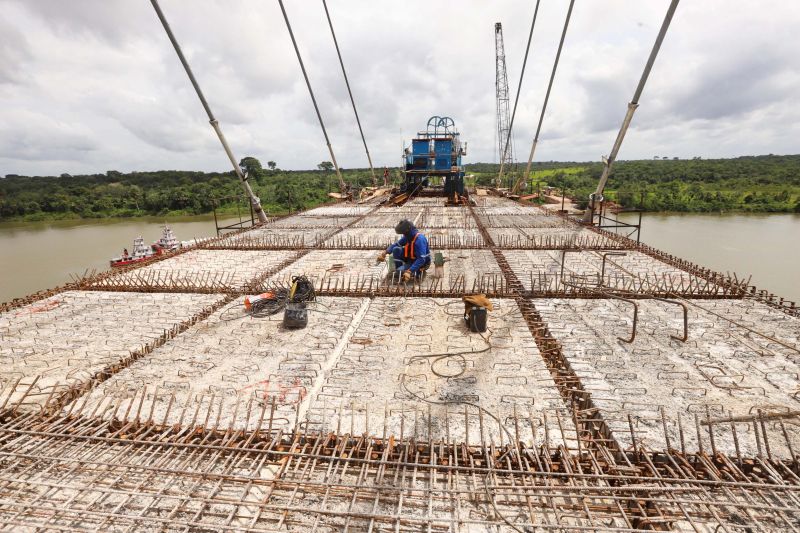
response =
{"points": [[617, 388]]}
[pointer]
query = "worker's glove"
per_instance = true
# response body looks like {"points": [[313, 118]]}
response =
{"points": [[406, 276], [381, 257]]}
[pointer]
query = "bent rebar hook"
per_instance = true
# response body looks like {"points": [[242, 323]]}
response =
{"points": [[685, 319], [635, 317]]}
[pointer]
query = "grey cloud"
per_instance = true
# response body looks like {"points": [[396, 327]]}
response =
{"points": [[107, 70], [730, 86], [113, 21], [36, 137], [14, 53], [605, 103]]}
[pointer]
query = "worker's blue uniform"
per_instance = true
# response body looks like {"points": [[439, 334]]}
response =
{"points": [[411, 253]]}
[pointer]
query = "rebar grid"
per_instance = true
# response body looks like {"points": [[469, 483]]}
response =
{"points": [[207, 276], [266, 239], [205, 271], [730, 282], [558, 241], [592, 428], [787, 306], [493, 285], [25, 389], [73, 474], [437, 242], [728, 381], [570, 284], [41, 390], [303, 222], [75, 466]]}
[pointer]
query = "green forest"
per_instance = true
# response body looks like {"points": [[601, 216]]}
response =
{"points": [[751, 184], [764, 184], [167, 192]]}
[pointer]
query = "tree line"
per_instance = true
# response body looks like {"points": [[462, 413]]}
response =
{"points": [[767, 183], [757, 184], [166, 192]]}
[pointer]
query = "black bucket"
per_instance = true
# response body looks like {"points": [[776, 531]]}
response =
{"points": [[476, 319]]}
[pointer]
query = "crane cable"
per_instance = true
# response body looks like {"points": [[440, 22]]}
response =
{"points": [[352, 101], [342, 185], [546, 99], [516, 99]]}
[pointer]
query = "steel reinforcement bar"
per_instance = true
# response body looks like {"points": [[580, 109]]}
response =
{"points": [[69, 472], [740, 285], [593, 429]]}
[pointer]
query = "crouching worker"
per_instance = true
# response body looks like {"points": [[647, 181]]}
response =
{"points": [[411, 253]]}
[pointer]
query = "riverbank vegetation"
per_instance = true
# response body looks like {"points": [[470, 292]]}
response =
{"points": [[165, 192], [758, 184], [746, 184]]}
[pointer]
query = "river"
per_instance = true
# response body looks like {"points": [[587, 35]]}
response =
{"points": [[38, 255], [766, 246]]}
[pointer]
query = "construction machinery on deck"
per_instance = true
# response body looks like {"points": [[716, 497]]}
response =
{"points": [[433, 162]]}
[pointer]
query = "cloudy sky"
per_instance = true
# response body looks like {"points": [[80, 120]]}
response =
{"points": [[89, 86]]}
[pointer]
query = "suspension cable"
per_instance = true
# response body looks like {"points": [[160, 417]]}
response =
{"points": [[352, 101], [546, 99], [255, 201], [588, 216], [516, 99], [342, 185]]}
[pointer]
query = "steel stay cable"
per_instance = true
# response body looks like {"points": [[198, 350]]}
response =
{"points": [[547, 95], [588, 216], [311, 93], [352, 101], [254, 200]]}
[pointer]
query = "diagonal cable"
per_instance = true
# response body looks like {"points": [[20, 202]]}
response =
{"points": [[342, 185], [352, 101], [546, 98], [255, 201]]}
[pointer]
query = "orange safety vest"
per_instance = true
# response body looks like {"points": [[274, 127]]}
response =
{"points": [[408, 249]]}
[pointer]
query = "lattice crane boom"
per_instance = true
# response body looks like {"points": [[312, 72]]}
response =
{"points": [[501, 85]]}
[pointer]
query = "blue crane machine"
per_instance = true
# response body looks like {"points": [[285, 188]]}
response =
{"points": [[434, 160]]}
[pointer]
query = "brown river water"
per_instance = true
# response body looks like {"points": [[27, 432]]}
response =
{"points": [[766, 246], [39, 255]]}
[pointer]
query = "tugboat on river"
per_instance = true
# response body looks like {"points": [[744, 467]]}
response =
{"points": [[167, 242], [141, 252]]}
